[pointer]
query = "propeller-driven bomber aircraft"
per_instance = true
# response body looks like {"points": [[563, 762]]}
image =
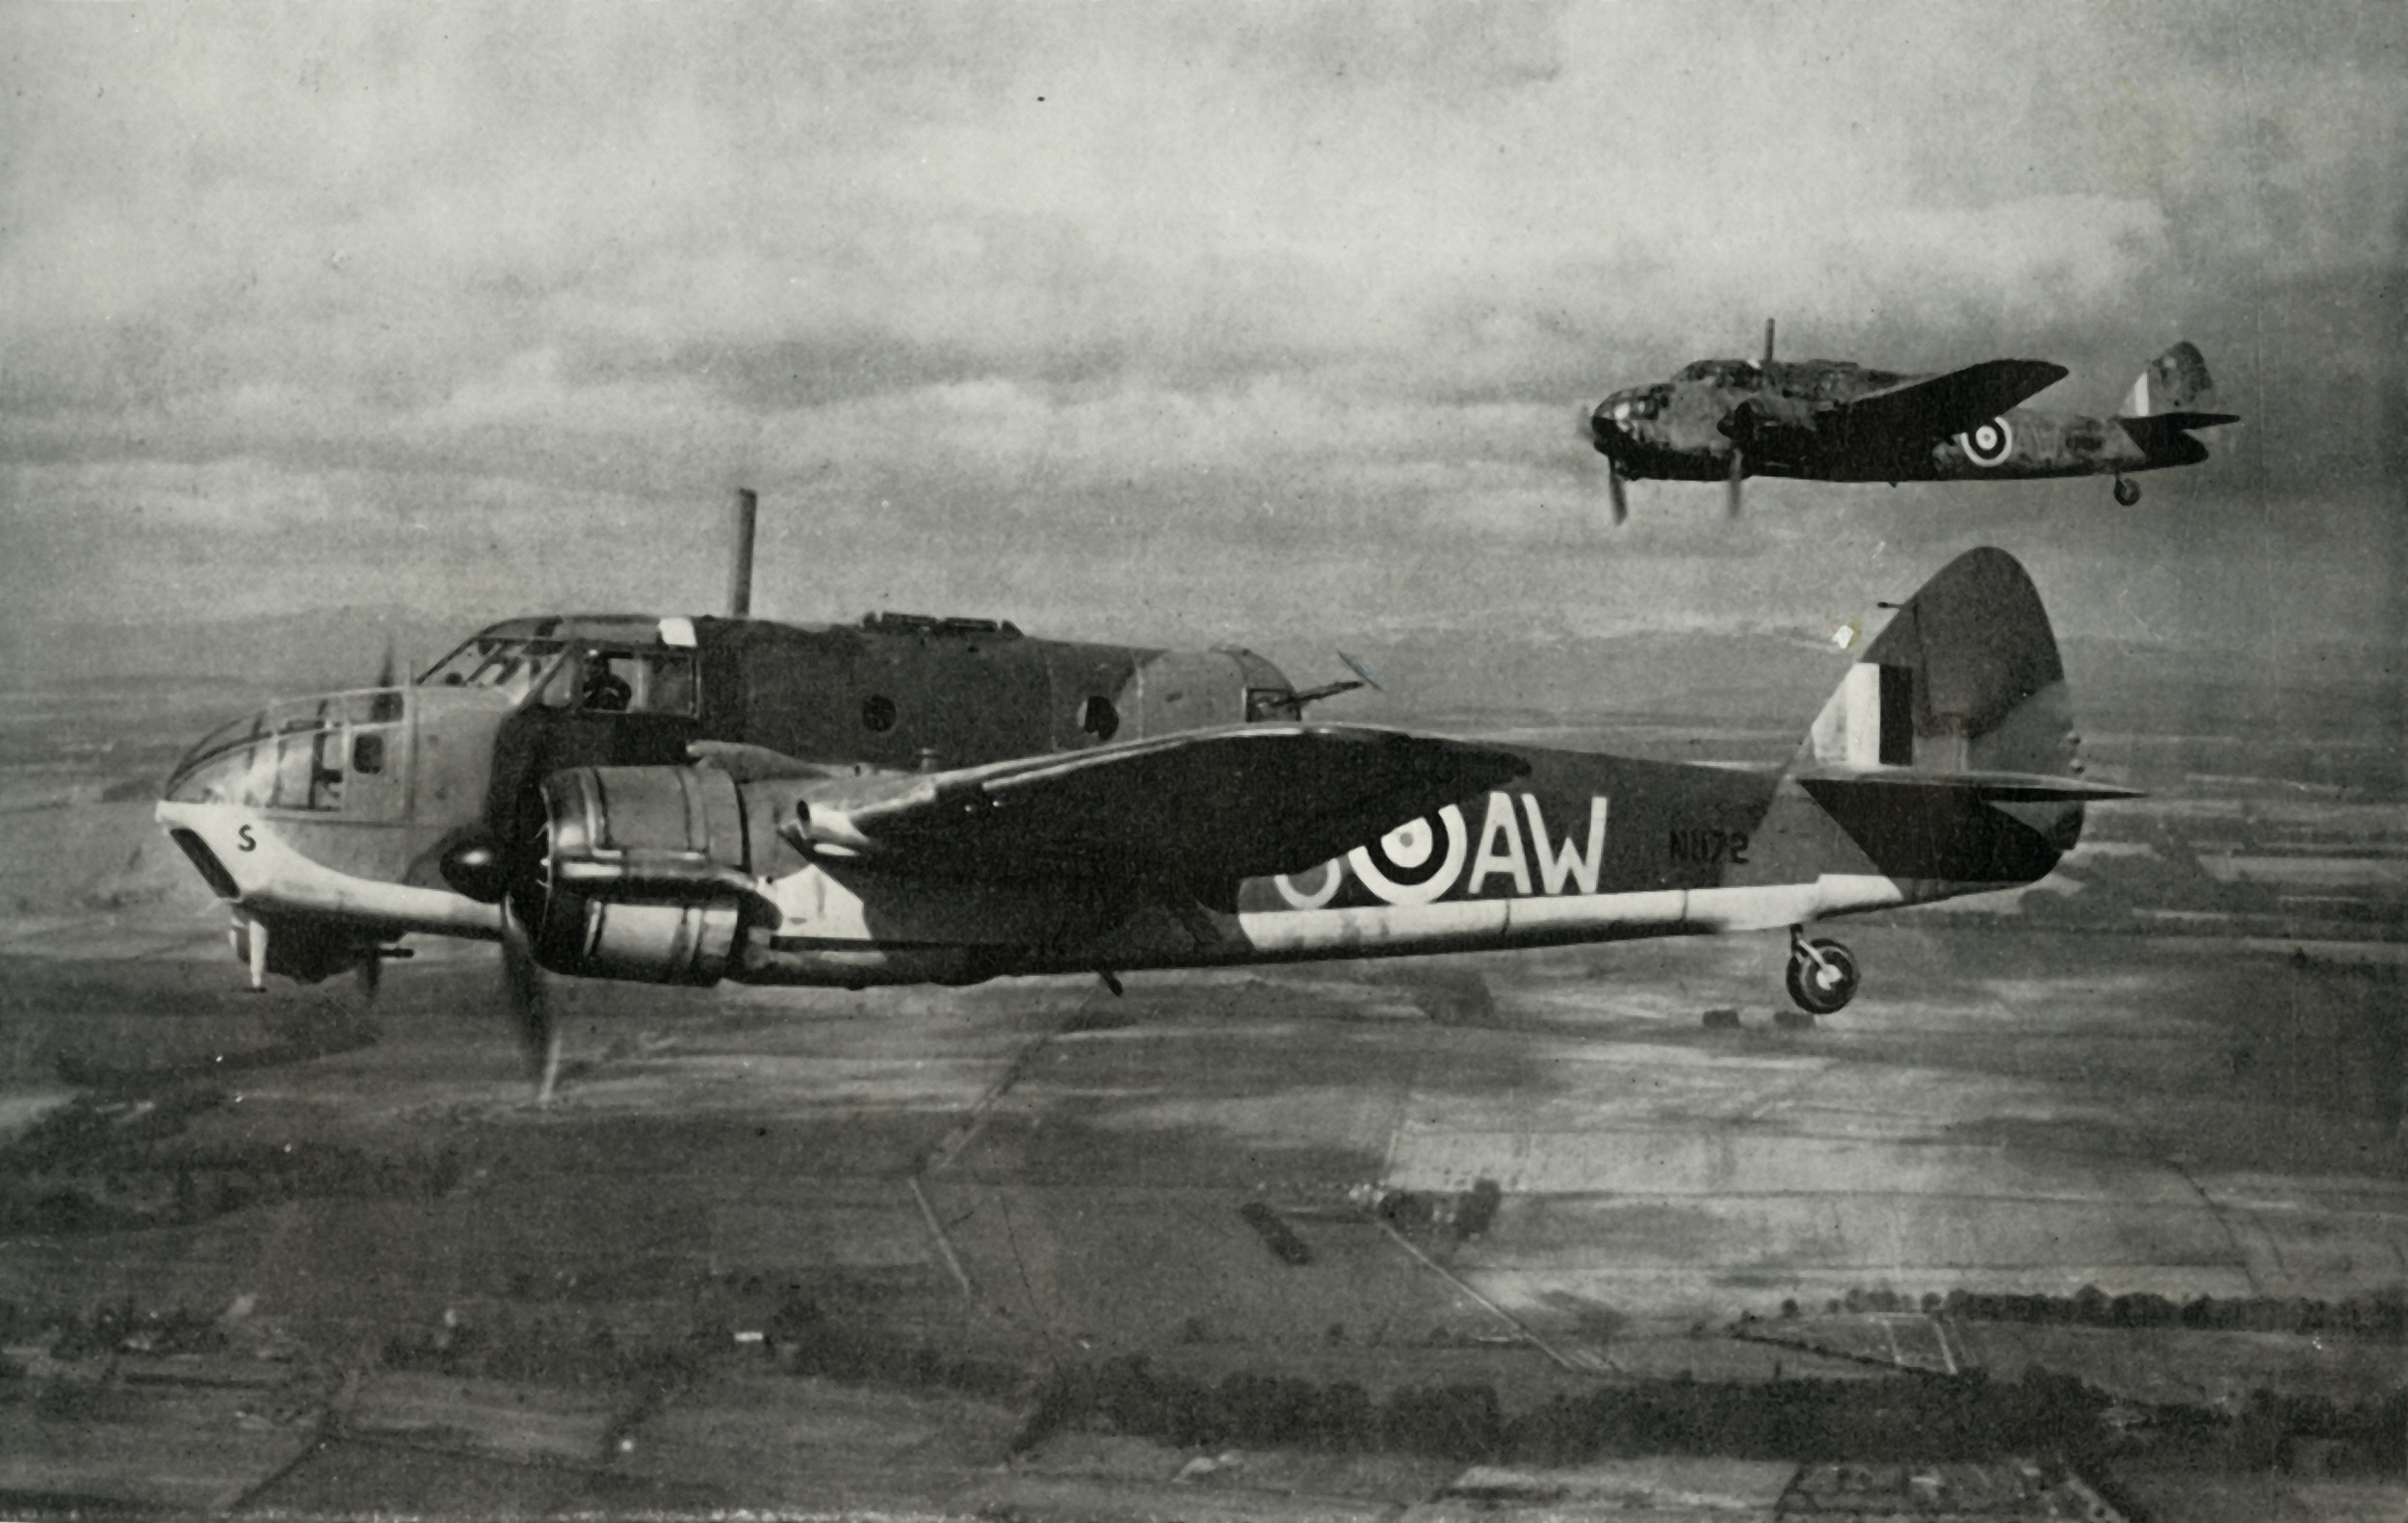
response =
{"points": [[1830, 420], [917, 800]]}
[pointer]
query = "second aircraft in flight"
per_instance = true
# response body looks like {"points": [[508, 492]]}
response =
{"points": [[1838, 421]]}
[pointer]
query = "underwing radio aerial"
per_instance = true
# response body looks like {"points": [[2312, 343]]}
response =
{"points": [[1826, 420], [687, 799]]}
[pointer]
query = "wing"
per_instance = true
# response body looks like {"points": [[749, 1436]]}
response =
{"points": [[1208, 806], [1917, 413]]}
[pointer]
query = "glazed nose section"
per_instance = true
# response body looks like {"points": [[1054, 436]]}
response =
{"points": [[1608, 425], [285, 791], [342, 753]]}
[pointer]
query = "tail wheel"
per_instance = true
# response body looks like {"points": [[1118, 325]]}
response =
{"points": [[2127, 492], [1822, 976]]}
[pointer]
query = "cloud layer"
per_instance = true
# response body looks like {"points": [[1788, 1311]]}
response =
{"points": [[1119, 291]]}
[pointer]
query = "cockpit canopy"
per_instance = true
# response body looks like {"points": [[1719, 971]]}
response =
{"points": [[896, 691], [1723, 372], [315, 754], [595, 664], [512, 664]]}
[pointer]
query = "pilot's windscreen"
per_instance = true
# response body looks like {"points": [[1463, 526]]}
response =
{"points": [[511, 665], [560, 690]]}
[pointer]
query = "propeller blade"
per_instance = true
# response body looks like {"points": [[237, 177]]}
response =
{"points": [[1731, 486], [1767, 343], [530, 1005], [371, 977], [385, 667]]}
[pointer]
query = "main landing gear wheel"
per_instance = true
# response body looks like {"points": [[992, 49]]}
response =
{"points": [[2127, 492], [1822, 975]]}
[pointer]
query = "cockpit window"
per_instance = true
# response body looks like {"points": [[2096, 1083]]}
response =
{"points": [[1721, 371], [510, 664], [602, 680]]}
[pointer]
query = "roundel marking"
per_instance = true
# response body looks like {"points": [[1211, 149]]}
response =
{"points": [[1407, 846], [1988, 444], [1399, 866], [1333, 878]]}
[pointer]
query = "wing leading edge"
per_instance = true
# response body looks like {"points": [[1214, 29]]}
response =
{"points": [[1205, 806]]}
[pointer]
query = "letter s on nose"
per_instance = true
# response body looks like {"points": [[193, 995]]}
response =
{"points": [[244, 839]]}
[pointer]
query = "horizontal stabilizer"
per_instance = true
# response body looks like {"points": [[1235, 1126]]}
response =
{"points": [[2165, 437], [2161, 423], [1990, 787]]}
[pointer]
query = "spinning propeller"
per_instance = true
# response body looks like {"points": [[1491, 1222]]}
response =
{"points": [[524, 987], [1738, 456], [386, 705], [481, 870], [1614, 491], [1617, 492]]}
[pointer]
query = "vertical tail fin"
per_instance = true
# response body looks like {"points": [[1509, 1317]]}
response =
{"points": [[2175, 382], [1966, 678], [1948, 752]]}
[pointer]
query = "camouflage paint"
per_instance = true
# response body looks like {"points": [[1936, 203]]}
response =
{"points": [[1837, 421], [816, 854]]}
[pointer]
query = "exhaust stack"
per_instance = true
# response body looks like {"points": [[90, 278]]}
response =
{"points": [[740, 580]]}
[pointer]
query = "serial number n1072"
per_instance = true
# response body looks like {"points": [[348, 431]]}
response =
{"points": [[1696, 844]]}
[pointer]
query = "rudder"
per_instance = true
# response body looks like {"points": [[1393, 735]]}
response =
{"points": [[2175, 382]]}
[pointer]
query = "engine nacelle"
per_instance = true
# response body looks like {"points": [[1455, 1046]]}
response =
{"points": [[638, 873]]}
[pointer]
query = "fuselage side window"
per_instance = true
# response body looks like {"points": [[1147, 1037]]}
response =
{"points": [[673, 685]]}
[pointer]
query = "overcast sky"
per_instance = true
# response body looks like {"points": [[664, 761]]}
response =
{"points": [[1170, 320]]}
